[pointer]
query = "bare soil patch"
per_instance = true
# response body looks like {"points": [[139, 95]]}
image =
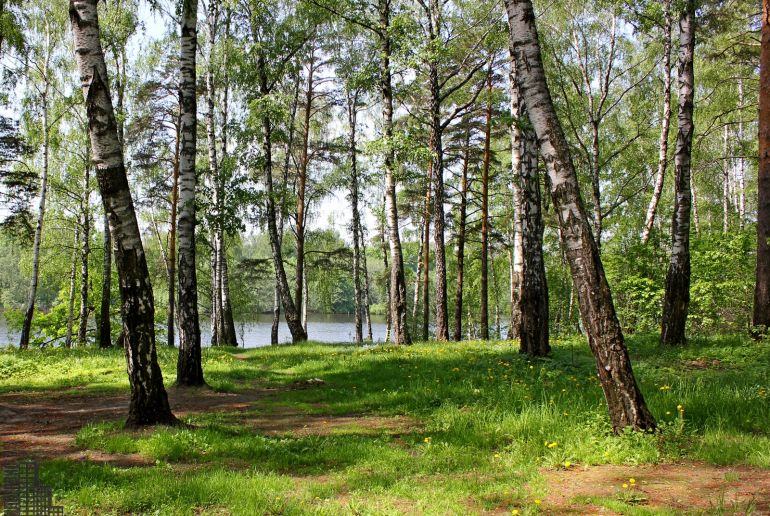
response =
{"points": [[43, 425], [689, 487]]}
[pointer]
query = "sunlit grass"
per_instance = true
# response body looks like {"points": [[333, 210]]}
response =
{"points": [[487, 418]]}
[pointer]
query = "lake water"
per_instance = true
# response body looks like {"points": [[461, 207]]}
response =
{"points": [[256, 332]]}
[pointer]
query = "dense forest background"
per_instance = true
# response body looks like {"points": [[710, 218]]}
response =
{"points": [[606, 66]]}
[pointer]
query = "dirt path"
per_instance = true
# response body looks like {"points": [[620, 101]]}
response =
{"points": [[44, 425], [682, 488]]}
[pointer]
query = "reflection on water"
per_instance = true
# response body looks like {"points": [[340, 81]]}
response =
{"points": [[256, 332]]}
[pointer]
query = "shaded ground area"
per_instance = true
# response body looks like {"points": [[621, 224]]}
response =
{"points": [[681, 488], [44, 425]]}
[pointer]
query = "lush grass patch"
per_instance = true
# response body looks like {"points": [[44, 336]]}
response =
{"points": [[489, 418]]}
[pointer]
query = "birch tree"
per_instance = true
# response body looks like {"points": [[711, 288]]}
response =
{"points": [[676, 301], [149, 402], [625, 401]]}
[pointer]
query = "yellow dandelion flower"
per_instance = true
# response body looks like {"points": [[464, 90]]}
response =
{"points": [[625, 486], [515, 511], [538, 501], [567, 464], [632, 480], [427, 440]]}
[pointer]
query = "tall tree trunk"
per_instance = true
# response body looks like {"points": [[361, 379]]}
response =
{"points": [[299, 278], [695, 217], [385, 249], [286, 165], [725, 180], [352, 105], [367, 297], [741, 172], [291, 311], [85, 251], [437, 146], [418, 272], [677, 297], [26, 327], [484, 297], [596, 179], [461, 220], [533, 305], [172, 257], [229, 335], [211, 139], [532, 300], [665, 124], [624, 399], [426, 256], [215, 292], [149, 403], [761, 318], [517, 248], [189, 371], [397, 281], [71, 296], [105, 324]]}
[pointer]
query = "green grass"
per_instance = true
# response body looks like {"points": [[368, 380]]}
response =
{"points": [[484, 419]]}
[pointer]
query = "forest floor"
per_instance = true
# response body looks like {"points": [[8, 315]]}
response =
{"points": [[430, 429]]}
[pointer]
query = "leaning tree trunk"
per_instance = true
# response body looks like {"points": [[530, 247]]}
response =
{"points": [[624, 399], [26, 327], [291, 311], [458, 315], [149, 403], [666, 124], [761, 319], [189, 371], [85, 250], [398, 309], [484, 294], [676, 300]]}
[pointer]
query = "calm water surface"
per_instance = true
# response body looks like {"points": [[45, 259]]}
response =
{"points": [[256, 332]]}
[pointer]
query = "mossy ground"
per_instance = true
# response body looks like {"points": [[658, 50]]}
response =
{"points": [[433, 428]]}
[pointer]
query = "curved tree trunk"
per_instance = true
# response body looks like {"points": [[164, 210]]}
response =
{"points": [[291, 311], [26, 328], [761, 319], [666, 124], [624, 399], [149, 403], [189, 371], [677, 297]]}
